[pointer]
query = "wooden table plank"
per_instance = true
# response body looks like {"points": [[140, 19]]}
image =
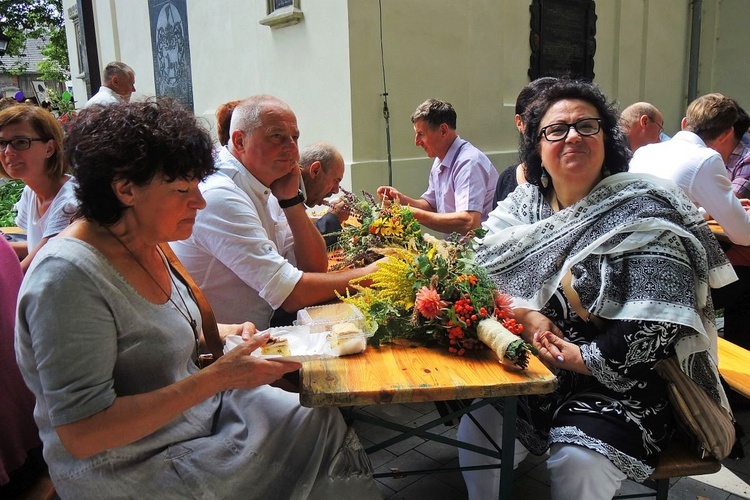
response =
{"points": [[734, 366], [12, 230], [396, 374]]}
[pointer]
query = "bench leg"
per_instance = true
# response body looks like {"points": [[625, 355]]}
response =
{"points": [[662, 489]]}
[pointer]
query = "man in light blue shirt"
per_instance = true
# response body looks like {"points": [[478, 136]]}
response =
{"points": [[462, 181]]}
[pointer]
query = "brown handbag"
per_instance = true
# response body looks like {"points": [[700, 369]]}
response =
{"points": [[703, 419], [210, 330]]}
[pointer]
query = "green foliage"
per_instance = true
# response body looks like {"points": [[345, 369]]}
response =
{"points": [[10, 192], [59, 104], [55, 65], [379, 226], [22, 20]]}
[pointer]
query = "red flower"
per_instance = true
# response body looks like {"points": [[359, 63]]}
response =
{"points": [[428, 302]]}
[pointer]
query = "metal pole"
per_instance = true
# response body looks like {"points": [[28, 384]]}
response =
{"points": [[386, 112], [695, 48]]}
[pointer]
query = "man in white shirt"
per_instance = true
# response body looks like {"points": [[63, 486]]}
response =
{"points": [[254, 248], [118, 85], [695, 160]]}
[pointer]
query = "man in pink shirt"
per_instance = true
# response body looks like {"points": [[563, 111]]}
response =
{"points": [[462, 181]]}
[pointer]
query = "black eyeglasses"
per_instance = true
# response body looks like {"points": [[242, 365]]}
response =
{"points": [[19, 143], [559, 131], [660, 125]]}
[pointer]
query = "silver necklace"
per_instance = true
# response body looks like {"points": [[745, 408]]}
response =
{"points": [[188, 317]]}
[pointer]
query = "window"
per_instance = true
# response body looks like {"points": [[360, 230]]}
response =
{"points": [[282, 13]]}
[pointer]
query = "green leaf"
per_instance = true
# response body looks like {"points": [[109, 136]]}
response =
{"points": [[10, 193]]}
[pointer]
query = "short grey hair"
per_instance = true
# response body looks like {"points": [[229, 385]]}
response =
{"points": [[246, 115], [116, 68], [633, 113], [323, 152]]}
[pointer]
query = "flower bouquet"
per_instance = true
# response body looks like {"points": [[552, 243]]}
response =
{"points": [[378, 226], [434, 293]]}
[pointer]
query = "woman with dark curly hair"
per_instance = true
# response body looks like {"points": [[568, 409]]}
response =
{"points": [[31, 149], [610, 273], [107, 338]]}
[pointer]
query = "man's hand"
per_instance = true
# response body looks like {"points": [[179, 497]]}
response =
{"points": [[389, 193], [340, 209], [287, 187]]}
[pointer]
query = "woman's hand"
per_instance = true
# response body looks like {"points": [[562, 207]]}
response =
{"points": [[555, 352], [246, 330], [239, 369], [533, 322]]}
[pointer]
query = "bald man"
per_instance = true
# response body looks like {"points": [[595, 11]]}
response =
{"points": [[642, 123]]}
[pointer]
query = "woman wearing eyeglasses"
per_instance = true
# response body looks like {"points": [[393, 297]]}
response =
{"points": [[610, 273], [31, 150]]}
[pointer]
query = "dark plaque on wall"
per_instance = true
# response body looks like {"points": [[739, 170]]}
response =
{"points": [[562, 38], [171, 48]]}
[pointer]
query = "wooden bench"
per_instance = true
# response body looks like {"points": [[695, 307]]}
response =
{"points": [[734, 366], [676, 461]]}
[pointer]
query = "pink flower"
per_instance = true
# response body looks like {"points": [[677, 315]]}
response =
{"points": [[504, 303], [428, 302]]}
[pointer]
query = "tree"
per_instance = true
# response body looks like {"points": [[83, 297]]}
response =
{"points": [[22, 20]]}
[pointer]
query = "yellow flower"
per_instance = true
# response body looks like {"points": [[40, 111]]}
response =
{"points": [[393, 281], [431, 253]]}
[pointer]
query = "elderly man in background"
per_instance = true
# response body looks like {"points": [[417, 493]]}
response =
{"points": [[118, 85], [695, 160], [322, 171], [642, 124], [254, 248], [462, 183]]}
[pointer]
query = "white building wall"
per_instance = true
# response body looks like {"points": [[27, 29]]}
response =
{"points": [[473, 53], [725, 49], [234, 56]]}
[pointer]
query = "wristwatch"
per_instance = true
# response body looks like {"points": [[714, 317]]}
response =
{"points": [[292, 201]]}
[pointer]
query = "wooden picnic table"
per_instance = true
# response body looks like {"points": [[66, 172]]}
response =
{"points": [[399, 374]]}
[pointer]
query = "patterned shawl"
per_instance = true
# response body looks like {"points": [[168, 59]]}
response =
{"points": [[636, 246]]}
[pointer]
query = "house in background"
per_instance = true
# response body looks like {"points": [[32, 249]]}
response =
{"points": [[22, 73]]}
